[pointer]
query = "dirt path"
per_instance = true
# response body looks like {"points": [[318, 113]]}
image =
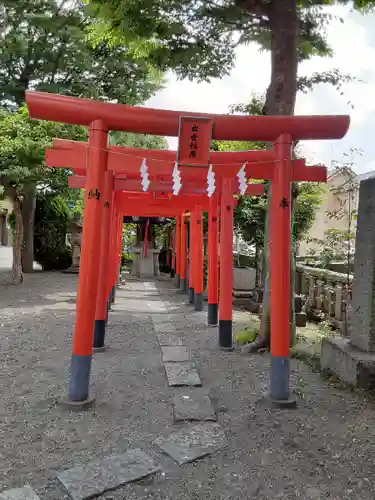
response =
{"points": [[323, 449]]}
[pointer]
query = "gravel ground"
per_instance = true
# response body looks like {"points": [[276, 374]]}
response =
{"points": [[323, 449]]}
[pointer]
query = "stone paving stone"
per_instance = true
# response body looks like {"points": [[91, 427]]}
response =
{"points": [[192, 443], [168, 339], [109, 473], [193, 404], [182, 374], [25, 493], [157, 308], [175, 354], [164, 327], [162, 318]]}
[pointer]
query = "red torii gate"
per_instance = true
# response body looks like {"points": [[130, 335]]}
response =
{"points": [[165, 208], [125, 163], [100, 118]]}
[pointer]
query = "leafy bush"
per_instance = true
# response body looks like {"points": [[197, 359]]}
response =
{"points": [[51, 220], [126, 259]]}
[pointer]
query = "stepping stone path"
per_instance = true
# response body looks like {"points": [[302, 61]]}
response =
{"points": [[194, 404], [164, 328], [95, 478], [175, 354], [189, 444], [25, 493], [193, 442], [168, 339], [182, 374]]}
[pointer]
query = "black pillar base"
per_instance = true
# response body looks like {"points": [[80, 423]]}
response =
{"points": [[99, 333], [79, 381], [183, 285], [225, 335], [283, 404], [172, 273], [191, 295], [212, 314], [198, 301], [280, 394], [177, 280], [78, 405]]}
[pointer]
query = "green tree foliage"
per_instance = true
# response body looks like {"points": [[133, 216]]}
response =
{"points": [[43, 46], [339, 241], [308, 202], [22, 150], [51, 219], [250, 212], [138, 140], [198, 39]]}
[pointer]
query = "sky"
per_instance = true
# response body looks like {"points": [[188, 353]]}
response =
{"points": [[353, 43]]}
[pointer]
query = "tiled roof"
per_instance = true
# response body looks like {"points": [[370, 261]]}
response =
{"points": [[358, 178], [366, 175]]}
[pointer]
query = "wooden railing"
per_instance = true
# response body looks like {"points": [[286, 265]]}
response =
{"points": [[327, 294]]}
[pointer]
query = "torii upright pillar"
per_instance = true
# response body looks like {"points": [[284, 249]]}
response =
{"points": [[226, 267], [198, 264], [102, 296], [177, 251], [183, 252], [79, 381], [280, 274], [173, 253], [213, 262], [192, 247], [112, 257]]}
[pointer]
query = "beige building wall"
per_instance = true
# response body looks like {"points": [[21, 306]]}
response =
{"points": [[5, 231], [339, 201]]}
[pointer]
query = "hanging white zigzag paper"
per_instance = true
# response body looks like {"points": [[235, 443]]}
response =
{"points": [[176, 176], [211, 185], [145, 182], [242, 179]]}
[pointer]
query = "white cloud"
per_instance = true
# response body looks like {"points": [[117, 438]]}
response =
{"points": [[353, 54]]}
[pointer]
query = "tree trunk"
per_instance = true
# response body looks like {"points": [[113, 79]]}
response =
{"points": [[280, 100], [281, 93], [28, 217], [17, 276]]}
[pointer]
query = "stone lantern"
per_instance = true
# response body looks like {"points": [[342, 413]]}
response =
{"points": [[74, 237]]}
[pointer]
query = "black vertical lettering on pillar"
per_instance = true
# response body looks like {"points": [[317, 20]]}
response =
{"points": [[228, 207], [284, 203], [106, 204], [194, 141], [94, 194], [214, 219]]}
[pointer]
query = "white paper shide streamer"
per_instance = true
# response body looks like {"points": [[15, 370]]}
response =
{"points": [[145, 182], [242, 179], [176, 176], [211, 185]]}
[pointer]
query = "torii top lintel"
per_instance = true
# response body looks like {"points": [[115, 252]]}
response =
{"points": [[142, 120]]}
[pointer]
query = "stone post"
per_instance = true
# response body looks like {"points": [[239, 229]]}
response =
{"points": [[75, 230], [353, 359]]}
